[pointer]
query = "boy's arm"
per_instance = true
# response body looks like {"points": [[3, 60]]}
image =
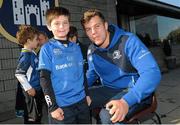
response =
{"points": [[23, 66], [46, 85], [24, 82]]}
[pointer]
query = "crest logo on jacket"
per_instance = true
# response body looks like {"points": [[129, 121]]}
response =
{"points": [[57, 51], [36, 60], [116, 54]]}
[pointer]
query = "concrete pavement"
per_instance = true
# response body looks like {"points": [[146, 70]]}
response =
{"points": [[168, 96]]}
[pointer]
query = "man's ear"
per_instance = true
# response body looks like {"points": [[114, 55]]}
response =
{"points": [[49, 27], [106, 25]]}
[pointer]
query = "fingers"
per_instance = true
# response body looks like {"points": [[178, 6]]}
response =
{"points": [[117, 116], [109, 105], [116, 110], [58, 114], [31, 92], [59, 117], [61, 111]]}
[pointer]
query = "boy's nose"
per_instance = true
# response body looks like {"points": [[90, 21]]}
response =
{"points": [[61, 25]]}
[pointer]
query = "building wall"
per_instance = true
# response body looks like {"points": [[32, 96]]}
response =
{"points": [[10, 51], [77, 7]]}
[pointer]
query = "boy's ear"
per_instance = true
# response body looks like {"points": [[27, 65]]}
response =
{"points": [[28, 40], [49, 27]]}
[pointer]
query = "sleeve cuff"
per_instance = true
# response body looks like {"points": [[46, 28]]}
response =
{"points": [[130, 98], [24, 82]]}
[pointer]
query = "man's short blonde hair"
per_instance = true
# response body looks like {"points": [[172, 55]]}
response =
{"points": [[90, 14]]}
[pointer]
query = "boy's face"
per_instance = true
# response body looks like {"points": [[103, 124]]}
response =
{"points": [[73, 39], [42, 39], [60, 27], [33, 44]]}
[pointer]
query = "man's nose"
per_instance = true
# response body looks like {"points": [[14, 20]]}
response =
{"points": [[93, 30]]}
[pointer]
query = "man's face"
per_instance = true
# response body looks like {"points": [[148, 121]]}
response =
{"points": [[60, 27], [96, 30]]}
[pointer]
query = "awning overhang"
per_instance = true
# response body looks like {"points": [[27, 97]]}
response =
{"points": [[144, 7]]}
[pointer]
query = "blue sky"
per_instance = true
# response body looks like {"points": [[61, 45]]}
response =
{"points": [[166, 25], [172, 2]]}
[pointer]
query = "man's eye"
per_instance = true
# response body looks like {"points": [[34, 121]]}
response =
{"points": [[65, 23], [97, 26], [88, 29]]}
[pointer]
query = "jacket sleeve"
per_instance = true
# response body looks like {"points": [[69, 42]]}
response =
{"points": [[148, 70], [46, 85], [91, 74], [86, 85], [23, 66]]}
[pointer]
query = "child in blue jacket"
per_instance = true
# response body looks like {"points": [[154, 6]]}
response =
{"points": [[61, 72], [28, 75]]}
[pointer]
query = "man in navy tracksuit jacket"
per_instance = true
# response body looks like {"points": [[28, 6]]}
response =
{"points": [[127, 69]]}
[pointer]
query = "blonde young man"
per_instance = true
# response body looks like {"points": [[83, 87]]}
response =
{"points": [[128, 72]]}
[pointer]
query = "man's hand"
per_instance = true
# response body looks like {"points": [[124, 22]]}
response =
{"points": [[88, 100], [118, 109], [58, 114], [31, 92]]}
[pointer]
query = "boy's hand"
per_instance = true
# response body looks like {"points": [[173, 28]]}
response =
{"points": [[88, 100], [31, 92], [58, 114], [118, 109]]}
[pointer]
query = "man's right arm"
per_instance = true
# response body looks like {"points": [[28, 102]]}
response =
{"points": [[91, 74], [46, 85]]}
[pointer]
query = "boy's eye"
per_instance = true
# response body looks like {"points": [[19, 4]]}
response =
{"points": [[56, 24]]}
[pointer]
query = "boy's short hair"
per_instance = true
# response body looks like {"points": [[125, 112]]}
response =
{"points": [[43, 33], [89, 14], [26, 32], [72, 32], [55, 12]]}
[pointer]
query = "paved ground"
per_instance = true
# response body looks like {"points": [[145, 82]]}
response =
{"points": [[168, 95]]}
